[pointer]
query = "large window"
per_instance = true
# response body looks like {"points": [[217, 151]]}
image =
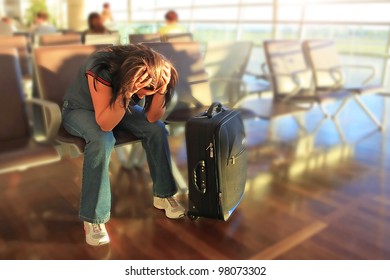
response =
{"points": [[360, 28]]}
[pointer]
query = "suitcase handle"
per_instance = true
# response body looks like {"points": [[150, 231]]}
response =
{"points": [[200, 169], [215, 108]]}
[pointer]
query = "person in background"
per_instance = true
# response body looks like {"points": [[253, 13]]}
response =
{"points": [[95, 25], [42, 24], [171, 24], [6, 26], [106, 14], [103, 97]]}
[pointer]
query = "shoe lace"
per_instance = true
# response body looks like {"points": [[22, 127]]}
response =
{"points": [[96, 228], [172, 202]]}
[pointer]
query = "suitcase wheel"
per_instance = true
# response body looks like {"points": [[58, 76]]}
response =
{"points": [[192, 217]]}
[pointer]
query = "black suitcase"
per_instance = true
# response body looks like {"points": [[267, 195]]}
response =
{"points": [[217, 162]]}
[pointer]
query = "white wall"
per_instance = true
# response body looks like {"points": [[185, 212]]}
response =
{"points": [[2, 11]]}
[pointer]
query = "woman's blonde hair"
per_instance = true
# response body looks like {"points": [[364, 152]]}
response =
{"points": [[123, 63]]}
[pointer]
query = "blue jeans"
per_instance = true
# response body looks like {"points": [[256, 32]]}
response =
{"points": [[95, 203]]}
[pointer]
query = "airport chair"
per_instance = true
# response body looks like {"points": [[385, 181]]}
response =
{"points": [[19, 42], [329, 73], [292, 79], [35, 37], [226, 64], [144, 38], [102, 39], [19, 150], [56, 68], [28, 37], [22, 44], [292, 82], [59, 39]]}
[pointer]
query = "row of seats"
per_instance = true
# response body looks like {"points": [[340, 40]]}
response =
{"points": [[24, 42], [24, 45], [67, 37], [56, 67], [19, 150], [225, 62], [155, 38], [311, 72]]}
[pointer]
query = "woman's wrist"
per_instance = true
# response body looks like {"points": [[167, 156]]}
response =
{"points": [[162, 93]]}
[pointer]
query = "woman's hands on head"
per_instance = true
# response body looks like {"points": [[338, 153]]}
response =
{"points": [[144, 85], [166, 77], [141, 81]]}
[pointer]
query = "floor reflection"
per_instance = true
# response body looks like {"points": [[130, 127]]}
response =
{"points": [[310, 194]]}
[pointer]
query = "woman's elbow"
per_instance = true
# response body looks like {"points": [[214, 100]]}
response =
{"points": [[104, 126], [152, 118]]}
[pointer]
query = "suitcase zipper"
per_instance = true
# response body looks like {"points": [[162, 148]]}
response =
{"points": [[211, 149], [234, 157]]}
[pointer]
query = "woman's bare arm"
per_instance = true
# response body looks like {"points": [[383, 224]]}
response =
{"points": [[107, 117], [157, 110]]}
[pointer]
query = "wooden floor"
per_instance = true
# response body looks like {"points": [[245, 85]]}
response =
{"points": [[307, 197]]}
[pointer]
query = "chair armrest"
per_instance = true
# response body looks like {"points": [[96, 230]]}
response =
{"points": [[295, 77], [337, 75], [263, 76], [52, 117], [367, 67]]}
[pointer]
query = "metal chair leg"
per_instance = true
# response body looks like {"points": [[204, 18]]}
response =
{"points": [[323, 110], [318, 126], [300, 120], [384, 114], [340, 131], [340, 108], [367, 111]]}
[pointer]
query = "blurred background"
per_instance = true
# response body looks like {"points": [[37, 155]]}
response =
{"points": [[360, 28]]}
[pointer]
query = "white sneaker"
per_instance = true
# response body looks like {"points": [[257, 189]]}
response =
{"points": [[96, 234], [173, 210]]}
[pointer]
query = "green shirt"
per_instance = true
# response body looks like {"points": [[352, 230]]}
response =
{"points": [[171, 29]]}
